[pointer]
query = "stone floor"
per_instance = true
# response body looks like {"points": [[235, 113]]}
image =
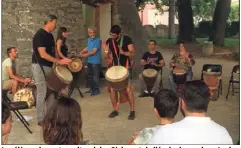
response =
{"points": [[100, 129]]}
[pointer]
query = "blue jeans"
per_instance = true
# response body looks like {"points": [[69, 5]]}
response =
{"points": [[94, 77], [171, 81]]}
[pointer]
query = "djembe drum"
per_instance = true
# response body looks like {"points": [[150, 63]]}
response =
{"points": [[149, 76], [212, 79], [59, 79], [179, 78], [118, 78], [26, 95], [76, 65]]}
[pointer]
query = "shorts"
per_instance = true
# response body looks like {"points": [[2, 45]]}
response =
{"points": [[7, 84]]}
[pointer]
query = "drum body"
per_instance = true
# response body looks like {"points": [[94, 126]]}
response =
{"points": [[117, 76], [212, 79], [25, 94], [179, 75], [149, 76], [59, 79], [76, 65]]}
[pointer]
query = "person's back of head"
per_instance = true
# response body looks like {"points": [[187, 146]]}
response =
{"points": [[63, 123], [166, 103], [195, 97]]}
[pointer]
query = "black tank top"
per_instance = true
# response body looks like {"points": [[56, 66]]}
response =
{"points": [[64, 48]]}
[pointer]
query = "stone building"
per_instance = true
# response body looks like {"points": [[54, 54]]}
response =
{"points": [[22, 18]]}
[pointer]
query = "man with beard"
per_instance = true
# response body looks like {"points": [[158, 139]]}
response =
{"points": [[121, 48], [10, 80]]}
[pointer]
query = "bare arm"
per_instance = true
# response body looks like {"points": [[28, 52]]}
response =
{"points": [[59, 43], [43, 54], [131, 50], [13, 76], [143, 62], [92, 52]]}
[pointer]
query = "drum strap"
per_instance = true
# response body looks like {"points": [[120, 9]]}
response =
{"points": [[118, 57], [39, 63]]}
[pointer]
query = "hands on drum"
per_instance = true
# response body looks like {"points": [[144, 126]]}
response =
{"points": [[64, 61]]}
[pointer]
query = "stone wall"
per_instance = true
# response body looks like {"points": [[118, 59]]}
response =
{"points": [[22, 18]]}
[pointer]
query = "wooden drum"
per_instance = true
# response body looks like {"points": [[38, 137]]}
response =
{"points": [[179, 75], [25, 94], [76, 65], [212, 79], [149, 76], [59, 79], [117, 76]]}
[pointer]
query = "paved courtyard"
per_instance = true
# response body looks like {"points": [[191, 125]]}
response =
{"points": [[100, 129]]}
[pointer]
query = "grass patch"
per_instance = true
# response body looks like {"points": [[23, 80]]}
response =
{"points": [[228, 42]]}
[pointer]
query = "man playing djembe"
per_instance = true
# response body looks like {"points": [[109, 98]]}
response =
{"points": [[151, 60], [181, 60], [119, 50], [10, 80]]}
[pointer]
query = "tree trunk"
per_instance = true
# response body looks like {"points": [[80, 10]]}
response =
{"points": [[125, 14], [219, 24], [171, 19], [185, 19]]}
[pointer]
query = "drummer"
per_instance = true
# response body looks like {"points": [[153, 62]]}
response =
{"points": [[62, 49], [10, 80], [43, 58], [182, 59], [120, 56], [151, 59]]}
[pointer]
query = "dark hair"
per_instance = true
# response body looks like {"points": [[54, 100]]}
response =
{"points": [[166, 103], [63, 123], [60, 33], [153, 41], [196, 96], [50, 17], [5, 112], [9, 50], [115, 29]]}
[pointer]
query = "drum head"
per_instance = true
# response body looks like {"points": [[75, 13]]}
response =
{"points": [[149, 73], [179, 71], [76, 65], [24, 94], [116, 74], [64, 74]]}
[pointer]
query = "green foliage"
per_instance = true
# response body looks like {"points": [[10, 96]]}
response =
{"points": [[234, 14], [158, 3], [236, 55], [203, 10]]}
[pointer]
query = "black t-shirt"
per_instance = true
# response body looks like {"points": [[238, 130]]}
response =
{"points": [[154, 58], [126, 41], [45, 39]]}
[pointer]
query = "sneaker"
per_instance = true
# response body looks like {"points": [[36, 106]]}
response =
{"points": [[89, 91], [152, 94], [113, 114], [143, 94], [132, 115]]}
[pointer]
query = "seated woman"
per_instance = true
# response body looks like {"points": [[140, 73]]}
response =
{"points": [[183, 60], [63, 123], [6, 123]]}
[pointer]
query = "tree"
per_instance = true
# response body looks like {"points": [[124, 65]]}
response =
{"points": [[185, 19], [203, 10], [234, 14], [171, 23], [219, 23]]}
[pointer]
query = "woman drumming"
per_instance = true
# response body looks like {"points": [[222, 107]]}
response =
{"points": [[62, 49]]}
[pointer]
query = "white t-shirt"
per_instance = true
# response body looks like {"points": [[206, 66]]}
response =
{"points": [[145, 135], [6, 63], [192, 130]]}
